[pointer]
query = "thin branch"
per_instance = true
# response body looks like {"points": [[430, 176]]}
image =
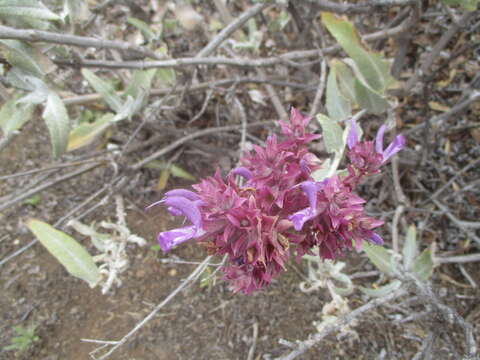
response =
{"points": [[341, 322], [396, 218], [213, 61], [73, 40], [359, 8], [231, 28], [84, 99], [192, 136], [277, 103], [321, 88], [251, 351], [457, 259], [48, 168]]}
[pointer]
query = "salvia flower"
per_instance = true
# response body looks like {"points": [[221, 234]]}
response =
{"points": [[280, 207]]}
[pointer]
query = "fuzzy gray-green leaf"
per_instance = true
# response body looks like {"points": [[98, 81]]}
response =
{"points": [[423, 265], [67, 251], [379, 256], [410, 247], [58, 123], [14, 115], [337, 104], [105, 89], [382, 290], [332, 134]]}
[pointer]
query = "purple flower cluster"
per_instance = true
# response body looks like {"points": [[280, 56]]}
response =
{"points": [[279, 207]]}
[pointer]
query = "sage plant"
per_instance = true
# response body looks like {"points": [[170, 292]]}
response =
{"points": [[280, 208]]}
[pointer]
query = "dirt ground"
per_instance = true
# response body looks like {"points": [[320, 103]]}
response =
{"points": [[211, 322]]}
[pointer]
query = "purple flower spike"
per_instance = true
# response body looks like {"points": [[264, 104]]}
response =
{"points": [[352, 137], [243, 172], [169, 239], [397, 144]]}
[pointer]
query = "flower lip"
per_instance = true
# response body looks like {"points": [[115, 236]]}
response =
{"points": [[243, 172], [395, 146], [185, 207], [169, 239]]}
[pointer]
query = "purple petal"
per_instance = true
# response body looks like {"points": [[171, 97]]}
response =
{"points": [[310, 189], [169, 239], [301, 217], [186, 207], [379, 140], [243, 172], [190, 195], [352, 137], [397, 144], [376, 239]]}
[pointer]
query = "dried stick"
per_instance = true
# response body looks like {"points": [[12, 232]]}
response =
{"points": [[213, 61], [251, 351], [321, 88], [84, 99], [359, 8], [48, 168], [277, 104], [192, 136], [341, 322], [231, 28], [457, 259], [73, 40]]}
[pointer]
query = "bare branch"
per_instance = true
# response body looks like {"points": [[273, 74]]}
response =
{"points": [[73, 40], [359, 8], [231, 28], [214, 61]]}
